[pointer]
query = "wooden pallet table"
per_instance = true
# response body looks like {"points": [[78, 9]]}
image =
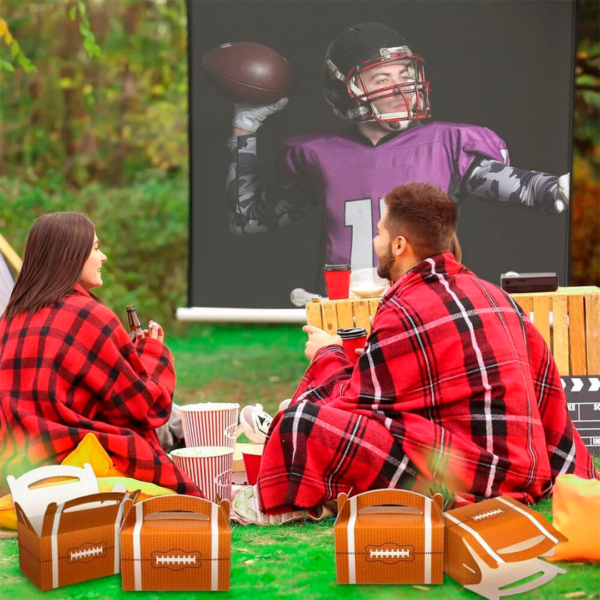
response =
{"points": [[568, 319]]}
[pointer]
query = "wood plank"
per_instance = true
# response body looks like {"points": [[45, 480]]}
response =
{"points": [[345, 317], [560, 334], [373, 306], [541, 316], [592, 333], [313, 314], [526, 303], [563, 291], [577, 336], [361, 315], [330, 324]]}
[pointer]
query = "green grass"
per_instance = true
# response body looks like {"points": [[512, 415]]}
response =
{"points": [[294, 561], [239, 364], [265, 364]]}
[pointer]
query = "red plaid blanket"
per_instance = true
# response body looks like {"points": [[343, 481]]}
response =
{"points": [[71, 369], [456, 391]]}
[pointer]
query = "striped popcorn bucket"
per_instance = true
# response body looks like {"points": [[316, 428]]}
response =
{"points": [[210, 424], [209, 468]]}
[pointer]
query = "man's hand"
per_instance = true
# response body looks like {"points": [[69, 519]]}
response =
{"points": [[317, 339], [247, 118]]}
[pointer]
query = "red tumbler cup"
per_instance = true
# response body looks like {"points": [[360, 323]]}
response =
{"points": [[337, 279], [353, 338], [252, 458]]}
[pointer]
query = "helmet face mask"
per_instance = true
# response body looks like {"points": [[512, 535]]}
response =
{"points": [[357, 93], [412, 95]]}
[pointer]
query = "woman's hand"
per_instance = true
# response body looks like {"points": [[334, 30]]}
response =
{"points": [[154, 332], [317, 339]]}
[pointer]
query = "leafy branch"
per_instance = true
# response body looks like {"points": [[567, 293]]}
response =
{"points": [[89, 39], [16, 51]]}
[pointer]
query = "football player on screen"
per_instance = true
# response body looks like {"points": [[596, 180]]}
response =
{"points": [[372, 79]]}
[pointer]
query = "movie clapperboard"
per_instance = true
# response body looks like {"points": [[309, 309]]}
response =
{"points": [[583, 402]]}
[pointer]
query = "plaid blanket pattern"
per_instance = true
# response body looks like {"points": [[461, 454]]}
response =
{"points": [[71, 369], [456, 391]]}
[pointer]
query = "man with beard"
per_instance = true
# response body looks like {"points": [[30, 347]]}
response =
{"points": [[456, 390]]}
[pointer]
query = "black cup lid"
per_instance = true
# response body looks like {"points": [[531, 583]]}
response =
{"points": [[336, 267], [353, 333]]}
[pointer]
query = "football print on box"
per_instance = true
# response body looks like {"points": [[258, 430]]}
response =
{"points": [[304, 115]]}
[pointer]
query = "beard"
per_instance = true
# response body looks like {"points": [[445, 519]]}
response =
{"points": [[385, 264]]}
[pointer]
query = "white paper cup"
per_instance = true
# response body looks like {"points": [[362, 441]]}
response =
{"points": [[210, 424], [209, 468]]}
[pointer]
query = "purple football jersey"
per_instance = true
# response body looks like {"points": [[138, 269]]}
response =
{"points": [[350, 178]]}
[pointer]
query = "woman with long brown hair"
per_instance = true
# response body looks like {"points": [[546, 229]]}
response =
{"points": [[69, 368]]}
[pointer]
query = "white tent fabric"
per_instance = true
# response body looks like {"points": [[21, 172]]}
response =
{"points": [[6, 283]]}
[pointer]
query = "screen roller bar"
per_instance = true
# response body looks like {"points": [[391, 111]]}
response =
{"points": [[199, 314]]}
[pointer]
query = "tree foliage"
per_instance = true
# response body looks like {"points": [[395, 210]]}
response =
{"points": [[16, 54], [142, 229], [109, 98], [585, 215], [99, 125]]}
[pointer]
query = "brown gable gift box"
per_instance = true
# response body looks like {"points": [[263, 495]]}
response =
{"points": [[389, 536], [176, 543], [497, 542], [79, 540]]}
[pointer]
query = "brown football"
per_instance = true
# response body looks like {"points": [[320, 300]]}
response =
{"points": [[248, 72]]}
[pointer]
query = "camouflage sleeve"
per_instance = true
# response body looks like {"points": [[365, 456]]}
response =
{"points": [[251, 208], [493, 180]]}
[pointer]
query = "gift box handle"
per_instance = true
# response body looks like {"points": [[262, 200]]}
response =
{"points": [[101, 499], [494, 581], [24, 483], [389, 509], [549, 572], [174, 503], [402, 498], [176, 515]]}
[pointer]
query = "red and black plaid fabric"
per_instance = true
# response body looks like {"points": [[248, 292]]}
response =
{"points": [[456, 391], [71, 369]]}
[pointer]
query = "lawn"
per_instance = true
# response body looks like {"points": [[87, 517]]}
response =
{"points": [[252, 364]]}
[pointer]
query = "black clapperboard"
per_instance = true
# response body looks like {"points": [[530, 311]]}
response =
{"points": [[583, 402]]}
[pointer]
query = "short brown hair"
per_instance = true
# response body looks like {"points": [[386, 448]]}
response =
{"points": [[425, 215], [57, 248]]}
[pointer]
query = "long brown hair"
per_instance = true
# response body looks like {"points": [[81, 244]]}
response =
{"points": [[57, 248], [456, 249]]}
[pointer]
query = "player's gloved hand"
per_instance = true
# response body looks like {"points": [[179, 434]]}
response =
{"points": [[561, 201], [251, 116]]}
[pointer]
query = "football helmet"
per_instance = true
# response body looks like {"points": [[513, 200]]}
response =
{"points": [[357, 95]]}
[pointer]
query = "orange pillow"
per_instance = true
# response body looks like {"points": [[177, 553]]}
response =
{"points": [[576, 514]]}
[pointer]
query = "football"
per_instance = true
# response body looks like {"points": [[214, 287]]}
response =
{"points": [[248, 72]]}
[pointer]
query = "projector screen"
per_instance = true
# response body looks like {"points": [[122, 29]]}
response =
{"points": [[505, 66]]}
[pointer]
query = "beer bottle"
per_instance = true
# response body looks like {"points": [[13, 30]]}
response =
{"points": [[135, 327]]}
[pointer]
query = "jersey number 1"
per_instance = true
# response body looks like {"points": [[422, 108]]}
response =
{"points": [[358, 215]]}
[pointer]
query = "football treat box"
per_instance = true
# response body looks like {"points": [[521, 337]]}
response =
{"points": [[496, 543], [33, 491], [176, 543], [389, 536], [78, 540]]}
